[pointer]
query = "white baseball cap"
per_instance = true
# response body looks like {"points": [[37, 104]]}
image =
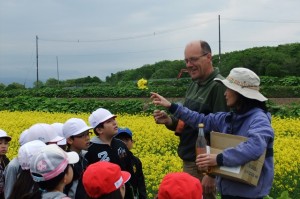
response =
{"points": [[99, 116], [50, 162], [27, 150], [23, 137], [44, 132], [59, 130], [3, 134], [74, 126]]}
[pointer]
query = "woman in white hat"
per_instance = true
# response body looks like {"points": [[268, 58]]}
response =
{"points": [[249, 118]]}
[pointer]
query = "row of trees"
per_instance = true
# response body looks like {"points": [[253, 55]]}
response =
{"points": [[280, 61], [52, 82]]}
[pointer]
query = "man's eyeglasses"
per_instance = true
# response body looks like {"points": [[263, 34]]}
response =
{"points": [[81, 135], [192, 60]]}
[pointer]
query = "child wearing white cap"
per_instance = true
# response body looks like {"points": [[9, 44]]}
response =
{"points": [[13, 168], [44, 132], [4, 140], [249, 118], [58, 127], [77, 134], [105, 147], [51, 170], [39, 131], [24, 183]]}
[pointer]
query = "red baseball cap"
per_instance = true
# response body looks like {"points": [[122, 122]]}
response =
{"points": [[103, 178], [180, 185]]}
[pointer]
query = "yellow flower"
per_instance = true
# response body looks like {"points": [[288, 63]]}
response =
{"points": [[142, 84], [156, 146]]}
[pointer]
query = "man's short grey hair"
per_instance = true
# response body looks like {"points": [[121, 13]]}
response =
{"points": [[205, 47]]}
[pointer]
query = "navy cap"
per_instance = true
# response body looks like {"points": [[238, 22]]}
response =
{"points": [[124, 130]]}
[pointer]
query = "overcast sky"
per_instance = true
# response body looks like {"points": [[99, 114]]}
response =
{"points": [[98, 37]]}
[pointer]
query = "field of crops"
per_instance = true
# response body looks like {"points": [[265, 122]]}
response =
{"points": [[156, 146]]}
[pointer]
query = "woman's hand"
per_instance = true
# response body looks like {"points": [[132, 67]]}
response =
{"points": [[206, 160], [160, 100]]}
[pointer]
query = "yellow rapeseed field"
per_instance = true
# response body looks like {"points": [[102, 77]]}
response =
{"points": [[156, 146]]}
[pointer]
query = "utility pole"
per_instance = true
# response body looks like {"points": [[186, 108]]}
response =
{"points": [[57, 71], [37, 62], [219, 42]]}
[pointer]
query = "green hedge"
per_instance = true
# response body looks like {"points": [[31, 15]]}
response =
{"points": [[272, 87], [130, 106], [73, 105], [167, 90]]}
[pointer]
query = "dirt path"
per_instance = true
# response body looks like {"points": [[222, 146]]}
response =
{"points": [[285, 100]]}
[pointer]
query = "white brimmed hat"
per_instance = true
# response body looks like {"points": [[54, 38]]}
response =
{"points": [[74, 126], [27, 151], [44, 132], [3, 134], [59, 130], [245, 82], [50, 162], [99, 116]]}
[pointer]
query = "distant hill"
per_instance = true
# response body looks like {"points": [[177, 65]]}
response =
{"points": [[279, 61]]}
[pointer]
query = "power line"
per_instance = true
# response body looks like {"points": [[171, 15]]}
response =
{"points": [[124, 52], [162, 32], [166, 31], [153, 34], [164, 49], [262, 21]]}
